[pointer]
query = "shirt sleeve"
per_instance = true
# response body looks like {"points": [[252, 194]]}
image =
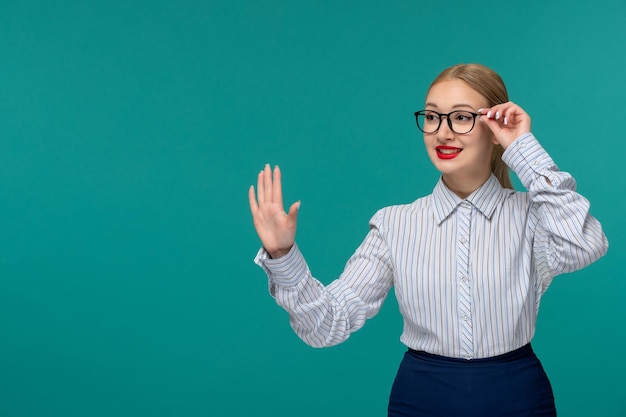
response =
{"points": [[326, 315], [567, 237]]}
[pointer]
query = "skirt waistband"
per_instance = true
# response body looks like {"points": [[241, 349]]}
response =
{"points": [[512, 384], [525, 351]]}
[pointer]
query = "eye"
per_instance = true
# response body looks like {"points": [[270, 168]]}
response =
{"points": [[431, 116], [462, 117]]}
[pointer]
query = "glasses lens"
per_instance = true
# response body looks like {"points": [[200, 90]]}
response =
{"points": [[462, 121], [427, 121]]}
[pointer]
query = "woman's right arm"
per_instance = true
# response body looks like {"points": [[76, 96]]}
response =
{"points": [[320, 315], [326, 315]]}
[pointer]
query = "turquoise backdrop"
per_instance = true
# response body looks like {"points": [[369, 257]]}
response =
{"points": [[131, 130]]}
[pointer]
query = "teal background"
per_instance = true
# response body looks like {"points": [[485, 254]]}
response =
{"points": [[131, 131]]}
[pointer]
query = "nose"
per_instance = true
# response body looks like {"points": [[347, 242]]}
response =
{"points": [[444, 133]]}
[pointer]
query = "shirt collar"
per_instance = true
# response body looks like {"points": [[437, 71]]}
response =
{"points": [[485, 199]]}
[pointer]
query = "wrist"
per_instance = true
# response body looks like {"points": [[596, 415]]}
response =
{"points": [[279, 253]]}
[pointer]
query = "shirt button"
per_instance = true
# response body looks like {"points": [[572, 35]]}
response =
{"points": [[468, 356], [522, 144], [466, 317], [463, 279], [537, 162], [463, 240]]}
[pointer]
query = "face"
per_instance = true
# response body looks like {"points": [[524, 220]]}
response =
{"points": [[463, 159]]}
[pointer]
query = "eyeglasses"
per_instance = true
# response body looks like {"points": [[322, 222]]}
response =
{"points": [[459, 121]]}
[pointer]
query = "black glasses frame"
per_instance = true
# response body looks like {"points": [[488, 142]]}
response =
{"points": [[447, 115]]}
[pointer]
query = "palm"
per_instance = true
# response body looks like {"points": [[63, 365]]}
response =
{"points": [[275, 228]]}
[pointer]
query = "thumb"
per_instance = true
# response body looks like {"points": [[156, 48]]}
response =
{"points": [[293, 211]]}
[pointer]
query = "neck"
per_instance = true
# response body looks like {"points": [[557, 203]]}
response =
{"points": [[464, 187]]}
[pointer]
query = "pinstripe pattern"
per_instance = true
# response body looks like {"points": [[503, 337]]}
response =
{"points": [[468, 274], [463, 278]]}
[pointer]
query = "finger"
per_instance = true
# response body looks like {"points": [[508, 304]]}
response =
{"points": [[254, 206], [494, 112], [267, 182], [500, 115], [277, 192], [292, 215], [260, 187], [489, 113], [502, 110], [514, 116], [484, 113], [510, 118]]}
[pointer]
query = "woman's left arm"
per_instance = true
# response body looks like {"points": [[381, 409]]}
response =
{"points": [[568, 237]]}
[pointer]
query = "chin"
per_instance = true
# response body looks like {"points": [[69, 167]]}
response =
{"points": [[446, 167]]}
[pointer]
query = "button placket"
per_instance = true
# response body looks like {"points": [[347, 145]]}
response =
{"points": [[464, 289]]}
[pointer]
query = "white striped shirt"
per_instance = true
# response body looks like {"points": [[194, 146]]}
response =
{"points": [[468, 273]]}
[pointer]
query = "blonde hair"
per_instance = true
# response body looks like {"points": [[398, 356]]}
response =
{"points": [[487, 83]]}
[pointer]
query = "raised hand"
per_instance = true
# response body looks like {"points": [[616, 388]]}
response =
{"points": [[276, 229], [507, 121]]}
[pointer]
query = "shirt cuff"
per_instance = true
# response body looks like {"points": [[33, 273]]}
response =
{"points": [[285, 271], [530, 161]]}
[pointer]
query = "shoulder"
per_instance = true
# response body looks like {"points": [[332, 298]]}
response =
{"points": [[514, 206], [400, 215], [516, 197]]}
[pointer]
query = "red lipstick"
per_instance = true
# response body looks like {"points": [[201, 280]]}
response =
{"points": [[447, 152]]}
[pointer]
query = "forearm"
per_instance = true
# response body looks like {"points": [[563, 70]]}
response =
{"points": [[571, 236], [327, 315]]}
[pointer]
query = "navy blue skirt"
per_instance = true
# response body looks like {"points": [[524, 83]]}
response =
{"points": [[509, 385]]}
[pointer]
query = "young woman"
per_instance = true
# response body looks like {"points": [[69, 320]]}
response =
{"points": [[468, 263]]}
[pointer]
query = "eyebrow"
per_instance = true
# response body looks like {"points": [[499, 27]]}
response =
{"points": [[454, 107]]}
